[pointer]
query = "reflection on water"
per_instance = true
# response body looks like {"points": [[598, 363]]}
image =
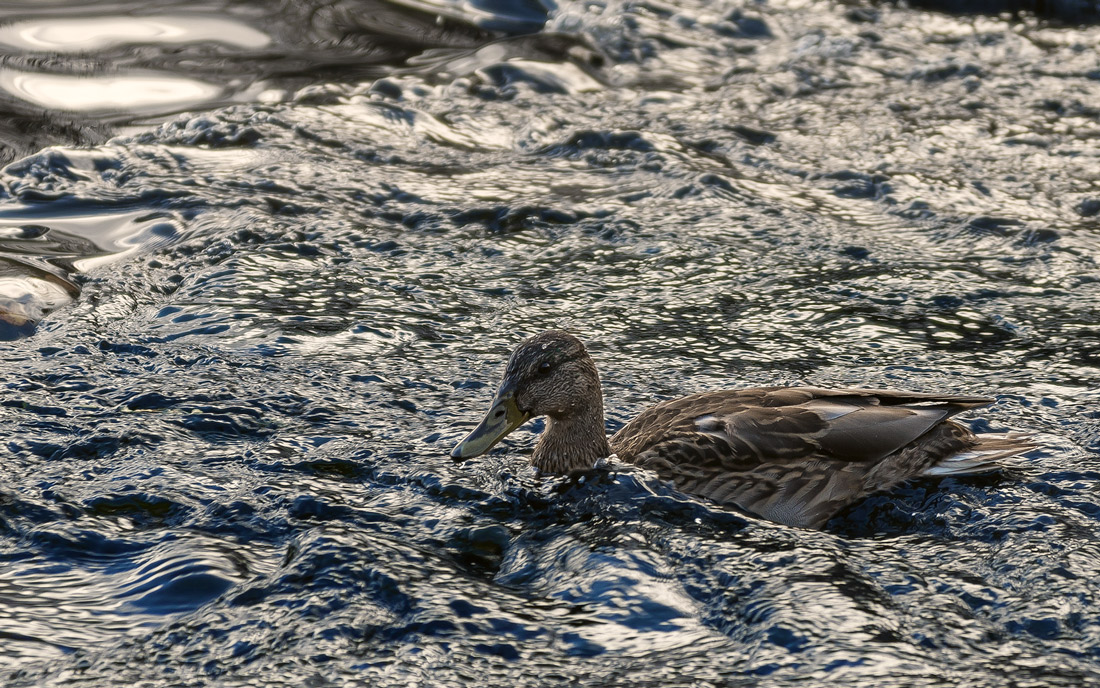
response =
{"points": [[42, 249], [81, 34], [131, 93]]}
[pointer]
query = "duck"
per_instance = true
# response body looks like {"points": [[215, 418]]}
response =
{"points": [[792, 455]]}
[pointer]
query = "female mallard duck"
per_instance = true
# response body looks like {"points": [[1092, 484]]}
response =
{"points": [[795, 455]]}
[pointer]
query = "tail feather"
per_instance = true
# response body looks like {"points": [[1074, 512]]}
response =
{"points": [[985, 456]]}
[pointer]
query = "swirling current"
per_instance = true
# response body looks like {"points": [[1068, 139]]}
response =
{"points": [[261, 267]]}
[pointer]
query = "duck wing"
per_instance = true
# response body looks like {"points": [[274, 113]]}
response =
{"points": [[798, 454], [781, 424], [850, 425]]}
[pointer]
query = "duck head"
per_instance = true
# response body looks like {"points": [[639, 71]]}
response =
{"points": [[549, 374]]}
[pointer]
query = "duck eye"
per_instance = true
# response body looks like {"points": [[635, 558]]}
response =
{"points": [[545, 367]]}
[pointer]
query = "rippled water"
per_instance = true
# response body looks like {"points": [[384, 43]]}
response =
{"points": [[241, 340]]}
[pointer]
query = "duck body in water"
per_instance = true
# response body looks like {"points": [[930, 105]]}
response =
{"points": [[794, 455]]}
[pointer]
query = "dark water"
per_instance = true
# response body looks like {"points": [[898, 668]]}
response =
{"points": [[241, 340]]}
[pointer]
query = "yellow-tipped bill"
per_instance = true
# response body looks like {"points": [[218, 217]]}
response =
{"points": [[502, 418]]}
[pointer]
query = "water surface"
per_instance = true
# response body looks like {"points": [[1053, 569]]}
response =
{"points": [[243, 338]]}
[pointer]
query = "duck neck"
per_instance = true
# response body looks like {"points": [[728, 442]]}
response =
{"points": [[572, 442]]}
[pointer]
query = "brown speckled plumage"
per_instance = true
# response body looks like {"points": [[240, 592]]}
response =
{"points": [[795, 455]]}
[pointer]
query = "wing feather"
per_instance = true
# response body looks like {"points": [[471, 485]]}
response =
{"points": [[794, 454]]}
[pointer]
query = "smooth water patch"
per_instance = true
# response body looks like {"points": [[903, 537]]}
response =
{"points": [[134, 92], [87, 34]]}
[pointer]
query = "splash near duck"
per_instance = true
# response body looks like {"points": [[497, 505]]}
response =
{"points": [[794, 455]]}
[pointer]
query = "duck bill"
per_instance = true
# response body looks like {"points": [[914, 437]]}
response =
{"points": [[502, 418]]}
